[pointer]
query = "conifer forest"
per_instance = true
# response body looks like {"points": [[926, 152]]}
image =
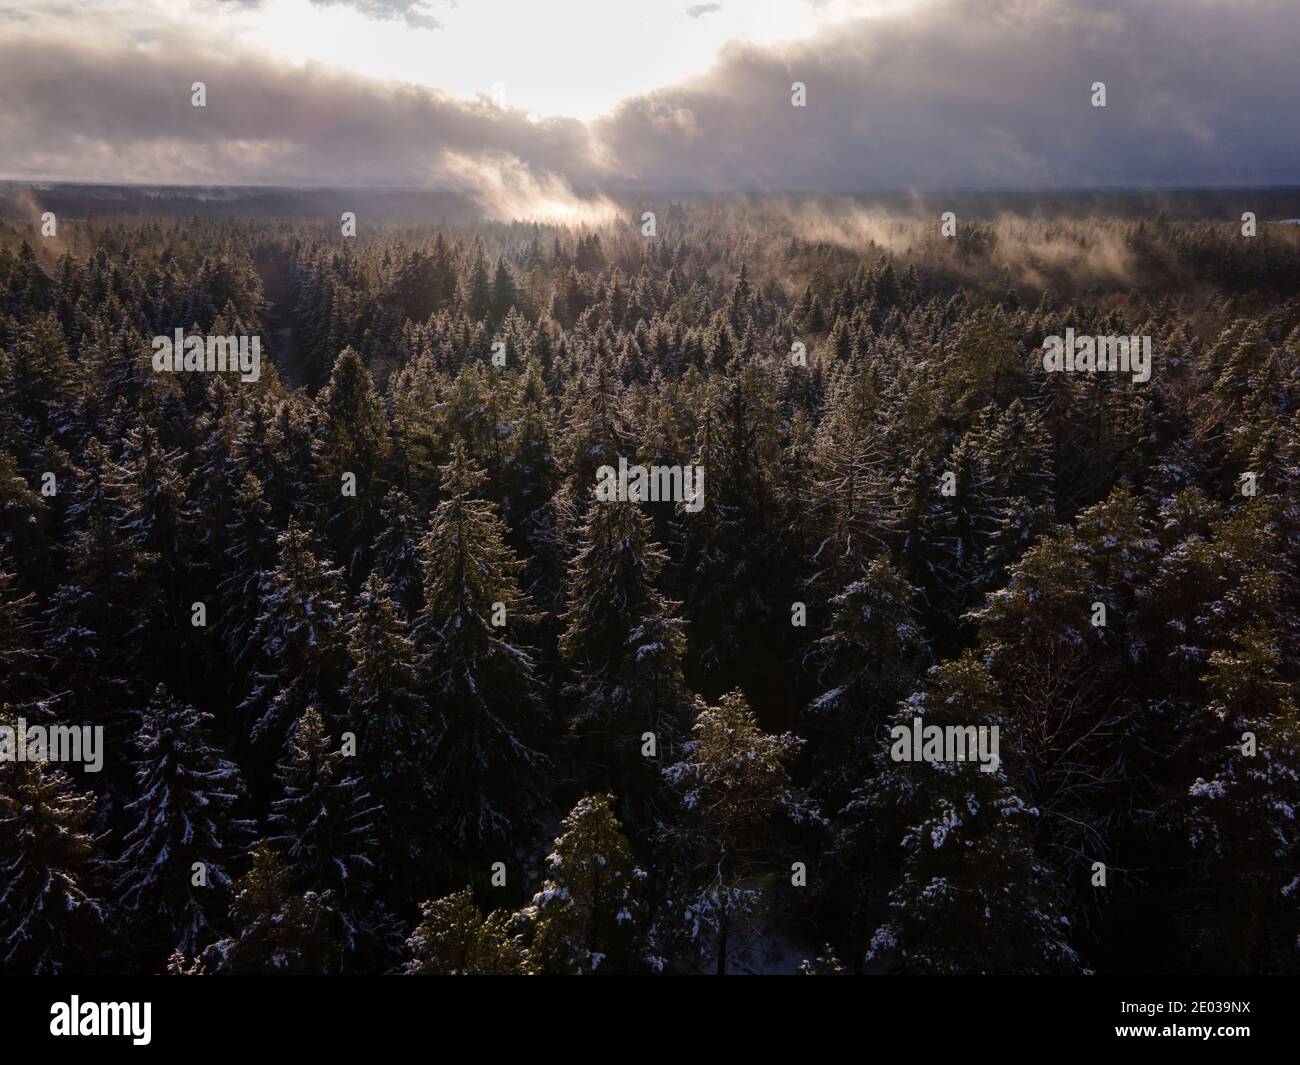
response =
{"points": [[366, 645], [525, 572]]}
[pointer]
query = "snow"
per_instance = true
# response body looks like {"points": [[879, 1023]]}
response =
{"points": [[1203, 789]]}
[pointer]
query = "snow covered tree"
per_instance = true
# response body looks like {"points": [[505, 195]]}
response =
{"points": [[1240, 821], [852, 491], [156, 525], [532, 472], [352, 438], [185, 812], [1017, 452], [968, 861], [279, 932], [593, 430], [477, 294], [503, 291], [36, 385], [485, 774], [327, 829], [732, 534], [623, 645], [870, 657], [22, 662], [589, 914], [250, 549], [395, 727], [733, 788], [396, 552], [24, 522], [53, 914], [454, 939], [297, 642], [92, 618]]}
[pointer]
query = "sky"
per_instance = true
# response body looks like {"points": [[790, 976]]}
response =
{"points": [[524, 102]]}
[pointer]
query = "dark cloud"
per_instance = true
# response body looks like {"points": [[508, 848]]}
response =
{"points": [[987, 93], [699, 10], [86, 111], [960, 93]]}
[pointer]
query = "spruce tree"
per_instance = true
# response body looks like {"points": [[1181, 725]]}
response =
{"points": [[95, 630], [486, 774], [185, 811], [454, 939], [54, 916], [870, 657], [966, 841], [396, 552], [297, 641], [590, 912], [734, 788], [279, 932], [327, 829], [352, 439], [396, 730], [156, 524], [623, 645]]}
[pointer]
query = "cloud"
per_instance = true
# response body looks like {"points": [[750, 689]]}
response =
{"points": [[954, 93], [700, 10], [414, 12], [986, 93], [122, 113]]}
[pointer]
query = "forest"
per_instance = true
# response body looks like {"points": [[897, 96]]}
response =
{"points": [[386, 686]]}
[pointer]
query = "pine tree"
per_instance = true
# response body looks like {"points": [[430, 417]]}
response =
{"points": [[53, 917], [623, 645], [396, 729], [967, 855], [279, 932], [454, 939], [486, 775], [327, 829], [589, 914], [184, 812], [298, 640], [352, 438], [733, 785]]}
